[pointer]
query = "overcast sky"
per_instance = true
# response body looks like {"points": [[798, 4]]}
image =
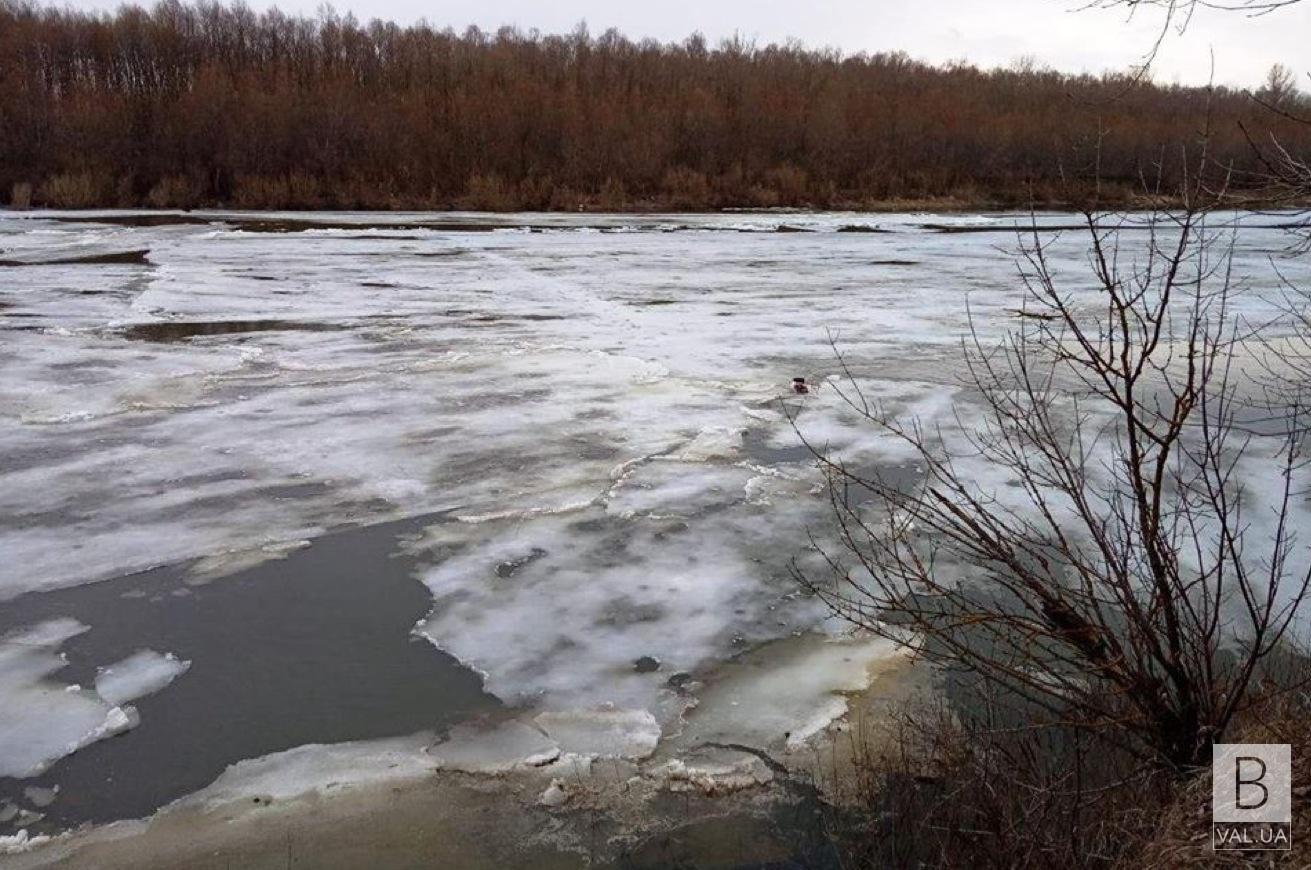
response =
{"points": [[987, 32]]}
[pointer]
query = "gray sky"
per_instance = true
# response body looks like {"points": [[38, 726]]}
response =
{"points": [[987, 32]]}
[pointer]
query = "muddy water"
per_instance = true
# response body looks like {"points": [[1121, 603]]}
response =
{"points": [[312, 648]]}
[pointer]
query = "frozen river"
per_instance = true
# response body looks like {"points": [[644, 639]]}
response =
{"points": [[276, 480]]}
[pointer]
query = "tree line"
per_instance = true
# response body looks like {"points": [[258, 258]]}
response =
{"points": [[187, 105]]}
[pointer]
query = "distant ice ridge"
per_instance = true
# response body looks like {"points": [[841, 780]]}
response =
{"points": [[42, 720]]}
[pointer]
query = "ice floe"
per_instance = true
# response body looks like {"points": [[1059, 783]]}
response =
{"points": [[42, 720], [14, 844], [142, 673]]}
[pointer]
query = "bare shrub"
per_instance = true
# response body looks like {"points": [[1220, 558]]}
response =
{"points": [[534, 192], [489, 193], [565, 198], [174, 191], [296, 190], [687, 188], [962, 778], [762, 197], [255, 191], [613, 195], [1139, 567], [20, 195], [790, 183], [76, 190]]}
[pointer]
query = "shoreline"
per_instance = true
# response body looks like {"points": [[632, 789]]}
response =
{"points": [[931, 204], [401, 801]]}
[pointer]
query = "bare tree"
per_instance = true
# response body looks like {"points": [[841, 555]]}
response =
{"points": [[1128, 576], [1176, 15], [1280, 85]]}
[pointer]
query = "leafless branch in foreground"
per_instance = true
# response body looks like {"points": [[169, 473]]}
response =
{"points": [[1138, 570], [1186, 7]]}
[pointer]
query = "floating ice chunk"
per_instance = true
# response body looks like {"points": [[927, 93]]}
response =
{"points": [[825, 713], [572, 767], [577, 501], [39, 721], [42, 720], [231, 561], [142, 673], [765, 415], [15, 844], [45, 635], [41, 797], [631, 734], [763, 489], [117, 720]]}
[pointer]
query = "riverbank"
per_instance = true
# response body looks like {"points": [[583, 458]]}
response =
{"points": [[1108, 197], [501, 794]]}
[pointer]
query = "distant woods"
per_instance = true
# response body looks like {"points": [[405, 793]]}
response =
{"points": [[183, 106]]}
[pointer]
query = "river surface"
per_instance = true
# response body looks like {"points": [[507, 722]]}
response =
{"points": [[276, 480]]}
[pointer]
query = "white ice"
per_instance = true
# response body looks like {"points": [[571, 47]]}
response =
{"points": [[142, 673], [42, 719], [318, 767], [598, 416]]}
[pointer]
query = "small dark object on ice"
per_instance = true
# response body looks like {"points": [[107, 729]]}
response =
{"points": [[646, 665], [799, 385]]}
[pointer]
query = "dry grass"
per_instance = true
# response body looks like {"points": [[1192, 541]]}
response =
{"points": [[20, 195], [1182, 837], [77, 190], [921, 787], [934, 791], [175, 191]]}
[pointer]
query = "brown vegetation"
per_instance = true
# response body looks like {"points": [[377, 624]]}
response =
{"points": [[966, 784], [209, 104]]}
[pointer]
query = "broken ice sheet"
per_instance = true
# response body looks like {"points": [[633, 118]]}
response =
{"points": [[42, 720], [675, 489], [631, 734], [499, 378], [601, 591], [142, 673]]}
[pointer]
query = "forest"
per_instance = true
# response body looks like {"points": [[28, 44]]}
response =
{"points": [[210, 104]]}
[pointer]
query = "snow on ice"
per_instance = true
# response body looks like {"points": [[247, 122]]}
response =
{"points": [[599, 422]]}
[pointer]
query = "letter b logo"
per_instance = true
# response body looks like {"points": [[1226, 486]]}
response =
{"points": [[1252, 796], [1250, 792]]}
